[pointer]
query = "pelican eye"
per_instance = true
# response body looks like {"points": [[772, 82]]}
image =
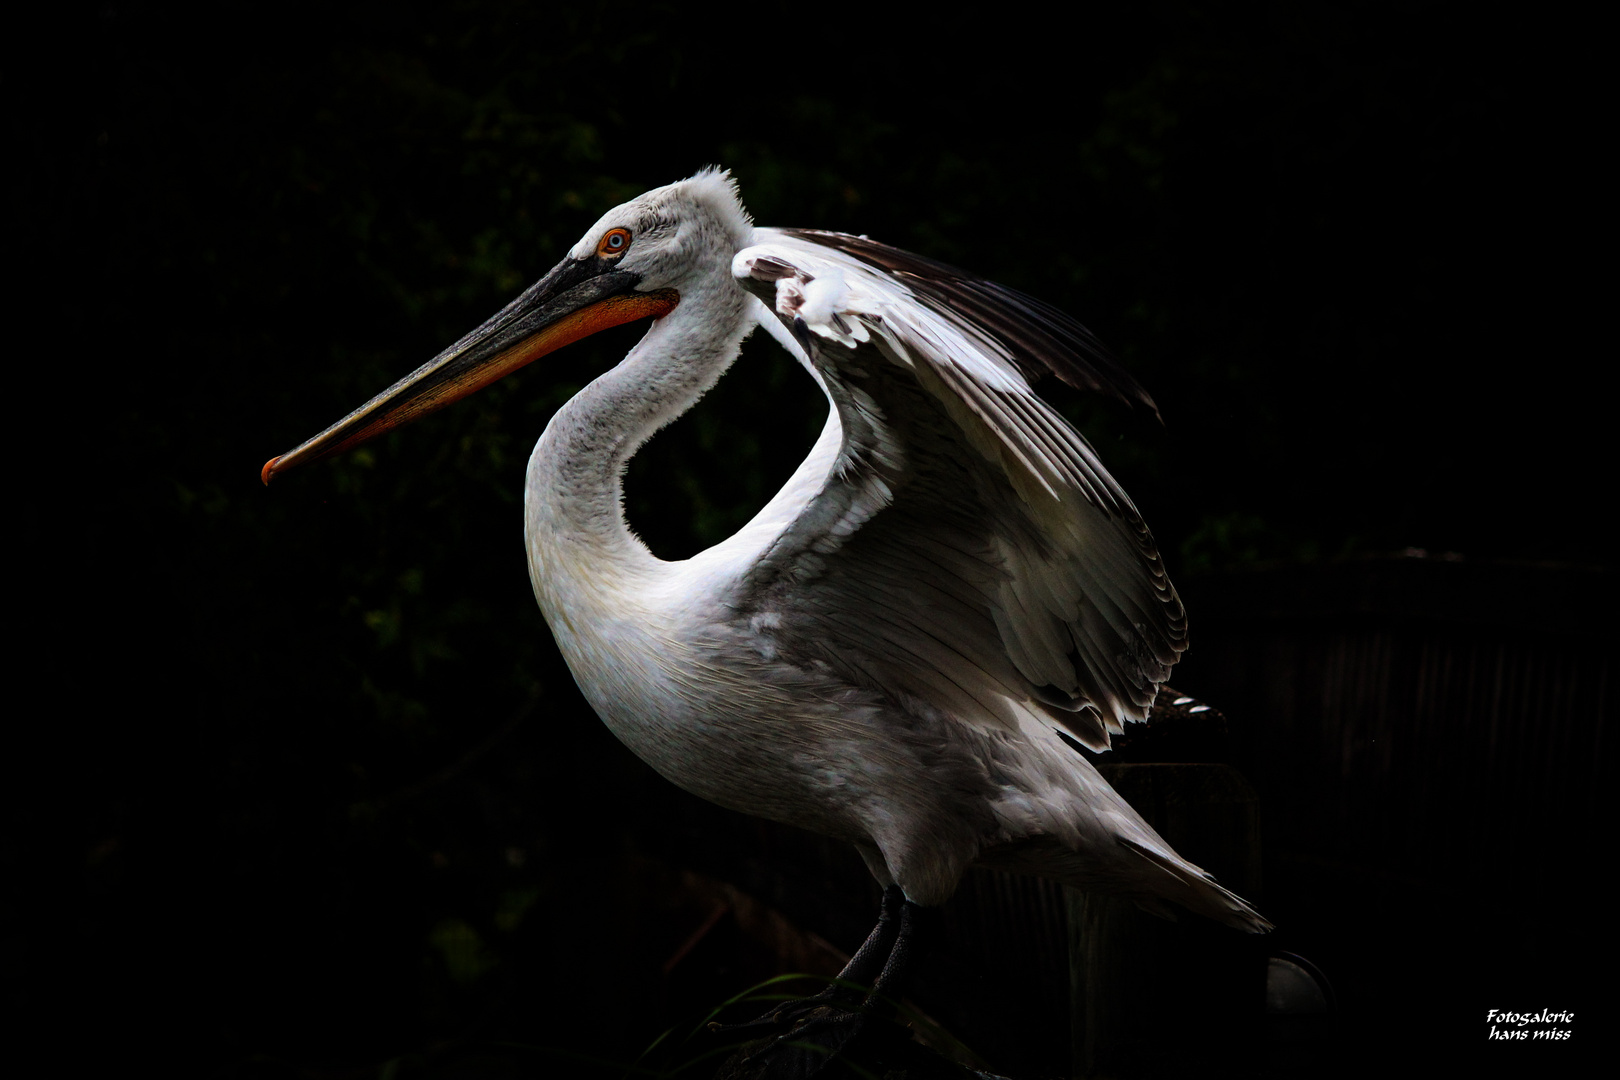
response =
{"points": [[614, 242]]}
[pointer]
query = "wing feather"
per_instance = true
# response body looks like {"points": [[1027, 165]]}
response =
{"points": [[1039, 338], [968, 554]]}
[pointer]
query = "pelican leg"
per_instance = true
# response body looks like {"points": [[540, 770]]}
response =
{"points": [[864, 969], [871, 960], [822, 1026], [882, 999], [893, 975]]}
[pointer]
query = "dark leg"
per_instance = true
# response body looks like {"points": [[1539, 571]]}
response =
{"points": [[871, 959], [820, 1027], [893, 975], [865, 969], [868, 964]]}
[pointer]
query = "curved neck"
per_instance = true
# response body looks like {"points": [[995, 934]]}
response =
{"points": [[573, 498]]}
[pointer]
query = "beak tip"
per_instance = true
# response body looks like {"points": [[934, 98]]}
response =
{"points": [[268, 471]]}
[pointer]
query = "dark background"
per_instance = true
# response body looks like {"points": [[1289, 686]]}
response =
{"points": [[297, 780]]}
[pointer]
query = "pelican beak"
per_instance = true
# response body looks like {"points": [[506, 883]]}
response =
{"points": [[575, 300]]}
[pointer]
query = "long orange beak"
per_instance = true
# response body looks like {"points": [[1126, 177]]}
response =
{"points": [[575, 300]]}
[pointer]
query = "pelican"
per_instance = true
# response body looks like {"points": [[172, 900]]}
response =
{"points": [[906, 647]]}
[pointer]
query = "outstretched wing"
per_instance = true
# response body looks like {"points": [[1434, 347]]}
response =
{"points": [[968, 554]]}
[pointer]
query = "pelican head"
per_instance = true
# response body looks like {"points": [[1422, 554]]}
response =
{"points": [[637, 262], [674, 233]]}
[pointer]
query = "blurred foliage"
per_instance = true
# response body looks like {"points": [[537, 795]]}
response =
{"points": [[330, 775]]}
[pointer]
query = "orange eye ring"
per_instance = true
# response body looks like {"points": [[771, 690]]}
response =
{"points": [[614, 242]]}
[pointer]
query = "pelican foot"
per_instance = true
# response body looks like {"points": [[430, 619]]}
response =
{"points": [[835, 998], [814, 1045], [821, 1029]]}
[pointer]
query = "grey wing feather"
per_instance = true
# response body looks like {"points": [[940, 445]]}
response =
{"points": [[968, 554]]}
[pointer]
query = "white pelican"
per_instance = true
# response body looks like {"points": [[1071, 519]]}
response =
{"points": [[903, 647]]}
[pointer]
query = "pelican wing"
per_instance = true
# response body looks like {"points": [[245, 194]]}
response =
{"points": [[967, 554]]}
